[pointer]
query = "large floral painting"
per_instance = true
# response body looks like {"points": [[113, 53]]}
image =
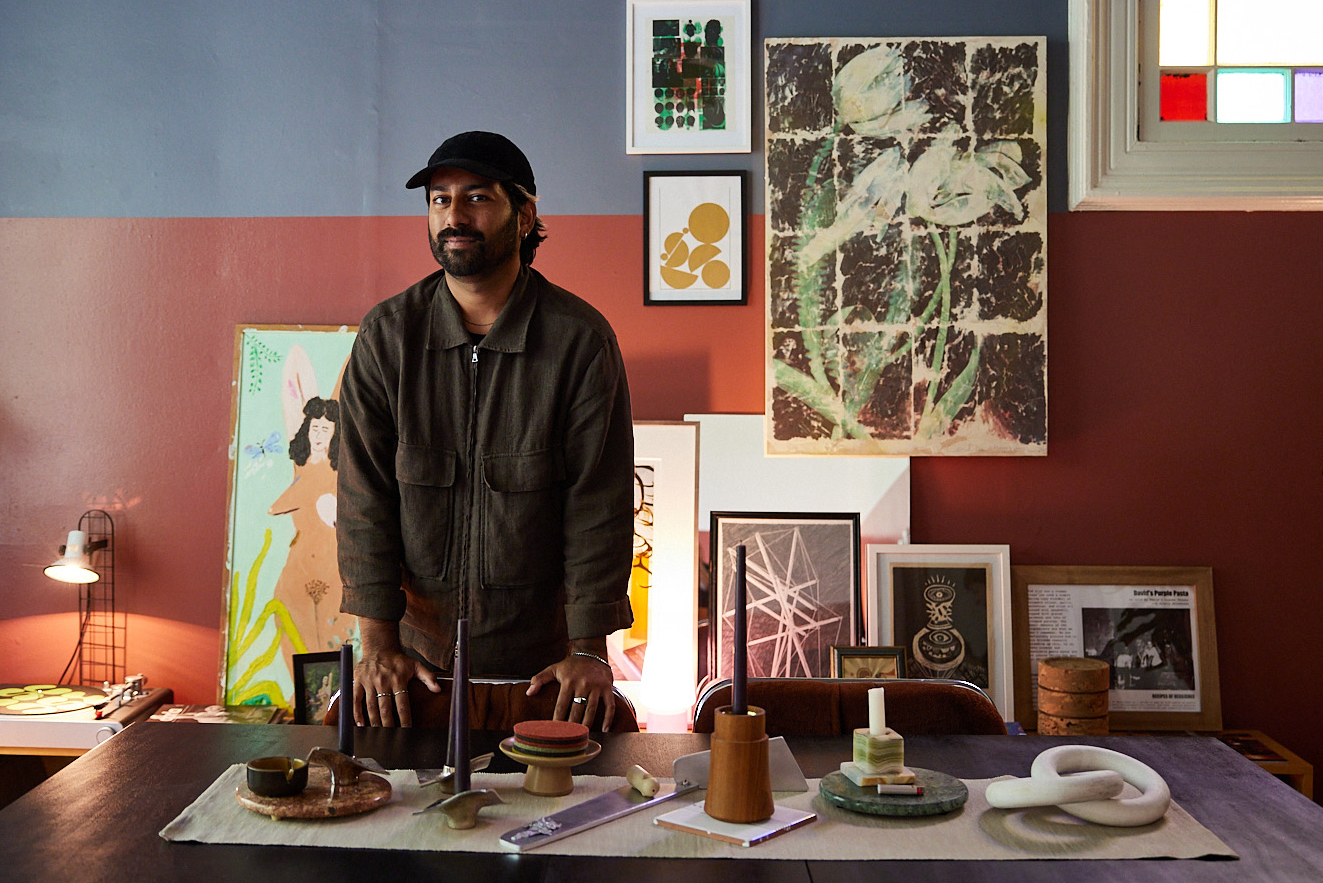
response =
{"points": [[907, 244]]}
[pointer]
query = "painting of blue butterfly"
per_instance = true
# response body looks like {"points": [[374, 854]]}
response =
{"points": [[259, 450]]}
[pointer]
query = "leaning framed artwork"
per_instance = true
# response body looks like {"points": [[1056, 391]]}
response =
{"points": [[868, 662], [655, 661], [316, 680], [688, 76], [949, 606], [802, 589], [282, 588], [1154, 626], [695, 237]]}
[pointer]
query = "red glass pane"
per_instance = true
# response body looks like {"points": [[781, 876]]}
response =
{"points": [[1184, 97]]}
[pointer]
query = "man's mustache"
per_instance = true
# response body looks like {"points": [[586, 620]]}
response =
{"points": [[466, 232]]}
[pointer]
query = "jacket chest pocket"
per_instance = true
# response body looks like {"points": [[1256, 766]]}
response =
{"points": [[426, 477], [523, 543]]}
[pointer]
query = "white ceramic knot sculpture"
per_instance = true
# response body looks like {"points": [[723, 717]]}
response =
{"points": [[1093, 791]]}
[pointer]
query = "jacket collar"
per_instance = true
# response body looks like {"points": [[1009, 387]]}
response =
{"points": [[508, 335]]}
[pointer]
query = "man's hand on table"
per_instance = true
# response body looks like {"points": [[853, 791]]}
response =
{"points": [[580, 677], [381, 679]]}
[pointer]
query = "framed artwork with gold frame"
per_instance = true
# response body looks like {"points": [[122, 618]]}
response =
{"points": [[867, 662]]}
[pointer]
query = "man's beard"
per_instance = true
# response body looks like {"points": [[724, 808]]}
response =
{"points": [[486, 254]]}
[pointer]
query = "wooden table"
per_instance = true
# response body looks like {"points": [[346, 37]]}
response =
{"points": [[98, 819]]}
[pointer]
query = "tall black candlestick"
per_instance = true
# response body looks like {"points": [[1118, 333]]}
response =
{"points": [[347, 699], [460, 695], [739, 703]]}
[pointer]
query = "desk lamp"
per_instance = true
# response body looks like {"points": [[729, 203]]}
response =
{"points": [[88, 559]]}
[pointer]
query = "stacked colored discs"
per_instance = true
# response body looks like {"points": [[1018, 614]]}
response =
{"points": [[550, 738]]}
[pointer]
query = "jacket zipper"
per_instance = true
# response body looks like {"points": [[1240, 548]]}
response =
{"points": [[473, 567]]}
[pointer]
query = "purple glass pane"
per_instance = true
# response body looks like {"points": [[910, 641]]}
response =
{"points": [[1309, 96]]}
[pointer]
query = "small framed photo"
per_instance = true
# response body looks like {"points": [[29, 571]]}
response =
{"points": [[868, 662], [688, 76], [950, 608], [802, 586], [695, 238], [1154, 626], [316, 680]]}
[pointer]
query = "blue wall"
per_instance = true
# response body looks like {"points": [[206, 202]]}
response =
{"points": [[254, 108]]}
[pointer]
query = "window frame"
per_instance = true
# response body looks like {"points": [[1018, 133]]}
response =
{"points": [[1110, 168]]}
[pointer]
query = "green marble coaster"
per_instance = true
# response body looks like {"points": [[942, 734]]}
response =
{"points": [[941, 794]]}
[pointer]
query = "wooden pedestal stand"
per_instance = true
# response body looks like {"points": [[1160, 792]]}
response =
{"points": [[739, 787]]}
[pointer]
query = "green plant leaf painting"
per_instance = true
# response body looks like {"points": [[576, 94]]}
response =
{"points": [[907, 246]]}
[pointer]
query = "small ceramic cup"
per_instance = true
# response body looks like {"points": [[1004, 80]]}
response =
{"points": [[277, 776]]}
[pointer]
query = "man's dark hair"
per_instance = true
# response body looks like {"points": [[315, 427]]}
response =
{"points": [[527, 248]]}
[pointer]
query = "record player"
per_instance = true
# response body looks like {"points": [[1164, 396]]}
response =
{"points": [[63, 719]]}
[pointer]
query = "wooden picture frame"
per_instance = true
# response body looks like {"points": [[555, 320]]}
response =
{"points": [[802, 579], [868, 662], [949, 606], [282, 598], [688, 76], [695, 238], [316, 680], [1074, 611]]}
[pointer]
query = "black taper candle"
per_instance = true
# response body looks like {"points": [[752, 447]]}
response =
{"points": [[460, 689], [347, 699], [739, 701]]}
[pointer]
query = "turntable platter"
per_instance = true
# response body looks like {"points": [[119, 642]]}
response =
{"points": [[50, 699]]}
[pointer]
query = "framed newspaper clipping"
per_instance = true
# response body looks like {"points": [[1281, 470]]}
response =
{"points": [[1153, 625]]}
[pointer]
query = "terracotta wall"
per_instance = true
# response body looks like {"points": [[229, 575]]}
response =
{"points": [[1184, 426]]}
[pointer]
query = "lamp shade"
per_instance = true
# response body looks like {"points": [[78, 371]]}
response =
{"points": [[74, 565]]}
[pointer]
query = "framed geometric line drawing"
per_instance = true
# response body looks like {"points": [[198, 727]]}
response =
{"points": [[950, 607], [906, 223], [695, 237], [688, 76], [802, 589], [282, 588]]}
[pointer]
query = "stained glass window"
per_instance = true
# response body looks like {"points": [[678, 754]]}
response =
{"points": [[1261, 59]]}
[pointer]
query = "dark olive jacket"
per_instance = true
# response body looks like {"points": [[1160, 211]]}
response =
{"points": [[493, 479]]}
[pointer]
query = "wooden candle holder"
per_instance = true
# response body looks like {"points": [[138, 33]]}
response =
{"points": [[739, 787]]}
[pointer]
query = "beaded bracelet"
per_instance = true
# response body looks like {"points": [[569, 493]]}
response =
{"points": [[591, 656]]}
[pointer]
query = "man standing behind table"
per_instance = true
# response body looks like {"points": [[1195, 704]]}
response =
{"points": [[486, 458]]}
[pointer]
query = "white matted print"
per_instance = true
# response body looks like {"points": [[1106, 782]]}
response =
{"points": [[950, 607], [695, 237], [688, 74], [655, 661]]}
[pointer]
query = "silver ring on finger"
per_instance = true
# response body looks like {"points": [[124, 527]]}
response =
{"points": [[380, 695], [580, 700]]}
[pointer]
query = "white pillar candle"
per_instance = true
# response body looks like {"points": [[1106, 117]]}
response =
{"points": [[877, 711]]}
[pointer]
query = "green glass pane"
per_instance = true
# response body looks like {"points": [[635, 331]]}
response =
{"points": [[1184, 33], [1254, 96], [1269, 32]]}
